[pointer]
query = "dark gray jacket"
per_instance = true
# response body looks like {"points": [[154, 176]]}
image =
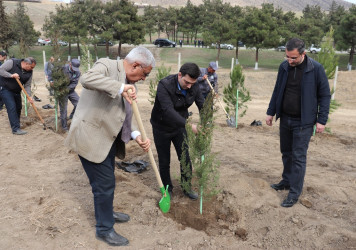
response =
{"points": [[315, 93]]}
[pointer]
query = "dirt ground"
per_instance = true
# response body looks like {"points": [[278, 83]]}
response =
{"points": [[47, 201]]}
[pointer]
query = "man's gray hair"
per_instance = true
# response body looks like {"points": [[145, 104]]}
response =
{"points": [[30, 60], [141, 55]]}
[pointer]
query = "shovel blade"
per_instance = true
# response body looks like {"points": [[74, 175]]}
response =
{"points": [[165, 202], [231, 122]]}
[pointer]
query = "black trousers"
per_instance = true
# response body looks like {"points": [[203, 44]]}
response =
{"points": [[294, 142], [102, 180], [163, 141]]}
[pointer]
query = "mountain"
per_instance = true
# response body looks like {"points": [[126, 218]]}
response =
{"points": [[286, 5]]}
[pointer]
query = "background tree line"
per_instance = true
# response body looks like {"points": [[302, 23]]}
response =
{"points": [[213, 21]]}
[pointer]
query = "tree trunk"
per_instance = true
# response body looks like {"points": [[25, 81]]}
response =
{"points": [[95, 51], [69, 49], [218, 56], [150, 37], [119, 50], [78, 47], [351, 58]]}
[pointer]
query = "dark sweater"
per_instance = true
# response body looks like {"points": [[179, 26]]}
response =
{"points": [[291, 105]]}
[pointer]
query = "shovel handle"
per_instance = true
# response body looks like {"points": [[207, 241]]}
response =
{"points": [[212, 89], [144, 138], [28, 97]]}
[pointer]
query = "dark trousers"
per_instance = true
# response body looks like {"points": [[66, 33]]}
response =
{"points": [[63, 105], [163, 141], [13, 103], [102, 180], [1, 103], [294, 142]]}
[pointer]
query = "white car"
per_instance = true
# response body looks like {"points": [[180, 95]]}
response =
{"points": [[314, 49], [43, 42], [223, 46]]}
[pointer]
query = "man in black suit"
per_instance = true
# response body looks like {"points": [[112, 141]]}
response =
{"points": [[175, 94]]}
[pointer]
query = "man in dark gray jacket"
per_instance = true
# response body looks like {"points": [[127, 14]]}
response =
{"points": [[301, 98]]}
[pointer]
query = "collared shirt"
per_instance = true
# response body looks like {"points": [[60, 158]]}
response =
{"points": [[184, 91]]}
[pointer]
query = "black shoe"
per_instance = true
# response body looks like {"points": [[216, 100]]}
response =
{"points": [[113, 239], [121, 217], [36, 99], [191, 195], [288, 202], [280, 186], [19, 132], [170, 193]]}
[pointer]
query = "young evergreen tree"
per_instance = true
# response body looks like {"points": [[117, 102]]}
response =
{"points": [[237, 83], [6, 35], [85, 60], [24, 29], [327, 56], [162, 72], [329, 60], [60, 81], [205, 176]]}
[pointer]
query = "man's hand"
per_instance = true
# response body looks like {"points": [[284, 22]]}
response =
{"points": [[320, 128], [269, 120], [194, 128], [15, 76], [205, 77], [126, 95], [144, 145], [30, 100]]}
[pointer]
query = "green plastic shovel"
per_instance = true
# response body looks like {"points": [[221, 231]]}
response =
{"points": [[165, 202]]}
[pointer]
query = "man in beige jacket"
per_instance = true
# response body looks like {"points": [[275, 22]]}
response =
{"points": [[102, 125]]}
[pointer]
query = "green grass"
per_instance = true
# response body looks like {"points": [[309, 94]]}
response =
{"points": [[37, 53], [268, 59]]}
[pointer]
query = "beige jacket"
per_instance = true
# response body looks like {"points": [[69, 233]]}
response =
{"points": [[100, 112]]}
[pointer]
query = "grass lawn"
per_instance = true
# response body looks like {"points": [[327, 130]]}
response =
{"points": [[268, 59], [37, 53]]}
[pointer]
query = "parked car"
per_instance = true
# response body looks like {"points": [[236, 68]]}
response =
{"points": [[43, 42], [160, 42], [240, 44], [60, 43], [313, 49], [103, 43], [281, 48], [226, 46], [223, 46]]}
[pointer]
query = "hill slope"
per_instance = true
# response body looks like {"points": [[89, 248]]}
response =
{"points": [[284, 4]]}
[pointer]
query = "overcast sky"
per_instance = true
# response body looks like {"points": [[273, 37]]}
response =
{"points": [[351, 1]]}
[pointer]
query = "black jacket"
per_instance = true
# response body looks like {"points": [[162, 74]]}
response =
{"points": [[315, 94], [11, 83], [170, 110]]}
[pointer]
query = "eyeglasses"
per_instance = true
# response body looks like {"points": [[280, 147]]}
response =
{"points": [[146, 74], [291, 58], [188, 83]]}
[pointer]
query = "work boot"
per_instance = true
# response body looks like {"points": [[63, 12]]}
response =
{"points": [[19, 132]]}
